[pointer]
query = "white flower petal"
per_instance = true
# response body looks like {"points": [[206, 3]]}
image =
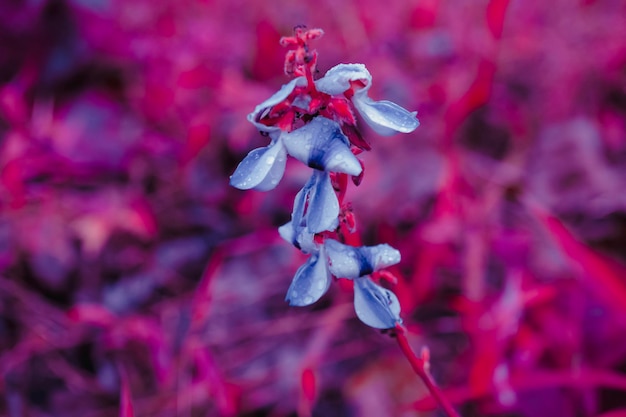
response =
{"points": [[374, 305], [337, 80], [353, 262], [344, 261], [295, 232], [288, 232], [310, 282], [381, 256], [261, 169], [300, 203], [385, 117], [321, 145], [323, 208], [276, 98], [298, 236]]}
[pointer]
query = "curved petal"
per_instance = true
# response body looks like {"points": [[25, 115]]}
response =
{"points": [[385, 117], [337, 80], [261, 169], [276, 98], [321, 145], [310, 282], [300, 204], [323, 209], [380, 256], [298, 236], [345, 261], [296, 232], [315, 209], [374, 305], [352, 262]]}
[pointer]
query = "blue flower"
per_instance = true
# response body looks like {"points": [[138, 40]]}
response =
{"points": [[385, 117], [374, 305], [315, 209], [353, 262], [318, 144], [321, 144], [263, 168], [311, 281], [278, 97]]}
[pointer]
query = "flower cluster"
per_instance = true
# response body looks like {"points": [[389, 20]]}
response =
{"points": [[314, 122]]}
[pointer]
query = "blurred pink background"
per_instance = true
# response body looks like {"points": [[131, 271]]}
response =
{"points": [[135, 281]]}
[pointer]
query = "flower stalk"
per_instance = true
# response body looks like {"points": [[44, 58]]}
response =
{"points": [[314, 122], [420, 366]]}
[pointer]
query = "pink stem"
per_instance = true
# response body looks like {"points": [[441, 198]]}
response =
{"points": [[419, 367]]}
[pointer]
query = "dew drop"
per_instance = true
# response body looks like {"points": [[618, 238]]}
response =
{"points": [[270, 160]]}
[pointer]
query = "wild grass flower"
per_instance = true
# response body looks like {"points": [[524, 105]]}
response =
{"points": [[314, 122]]}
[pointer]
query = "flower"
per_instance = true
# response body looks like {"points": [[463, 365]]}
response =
{"points": [[316, 207], [313, 122], [343, 80], [353, 262], [319, 144], [310, 282], [282, 95], [374, 305], [385, 117], [263, 168]]}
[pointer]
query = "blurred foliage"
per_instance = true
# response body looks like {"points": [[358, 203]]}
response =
{"points": [[132, 275]]}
